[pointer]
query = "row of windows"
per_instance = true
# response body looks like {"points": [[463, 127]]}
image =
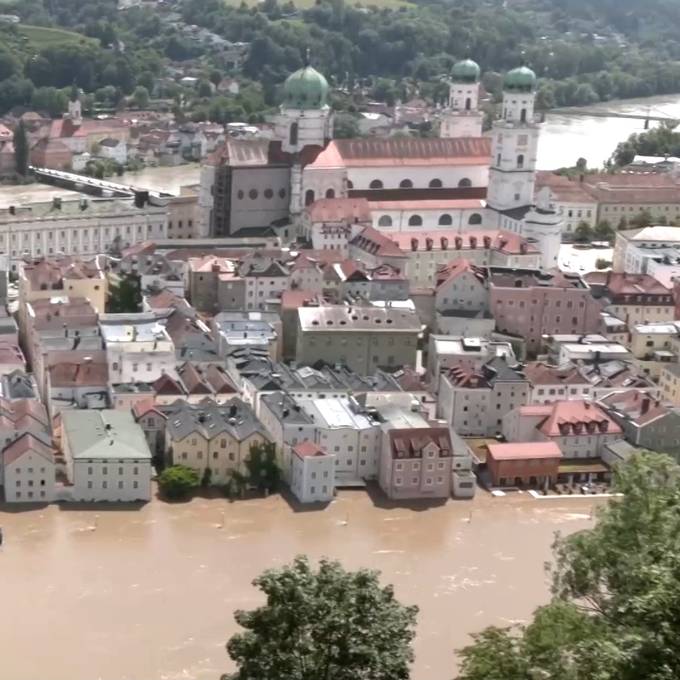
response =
{"points": [[429, 481], [30, 482], [199, 455], [105, 471], [408, 184], [180, 224], [253, 194], [105, 485], [519, 161], [416, 466], [444, 220], [29, 470], [30, 495]]}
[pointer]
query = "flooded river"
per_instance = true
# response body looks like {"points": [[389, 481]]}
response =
{"points": [[149, 594]]}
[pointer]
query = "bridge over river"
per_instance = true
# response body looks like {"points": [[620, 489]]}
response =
{"points": [[92, 185]]}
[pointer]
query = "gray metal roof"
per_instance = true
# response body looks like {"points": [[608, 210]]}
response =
{"points": [[106, 434], [210, 419]]}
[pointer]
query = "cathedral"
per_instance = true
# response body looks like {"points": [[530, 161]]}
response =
{"points": [[464, 179]]}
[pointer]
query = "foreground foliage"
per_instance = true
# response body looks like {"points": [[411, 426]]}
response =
{"points": [[177, 482], [323, 624], [615, 613]]}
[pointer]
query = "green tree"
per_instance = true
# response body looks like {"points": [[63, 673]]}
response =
{"points": [[642, 219], [177, 481], [603, 231], [51, 100], [601, 263], [345, 126], [323, 624], [125, 296], [262, 470], [616, 594], [21, 152], [583, 232], [140, 97]]}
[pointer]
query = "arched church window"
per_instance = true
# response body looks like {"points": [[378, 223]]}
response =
{"points": [[468, 104], [385, 221], [309, 197], [240, 195], [406, 184], [445, 220], [435, 184], [520, 161], [415, 221], [282, 193], [475, 218], [523, 116], [375, 184], [498, 160], [464, 183], [293, 135], [330, 193], [350, 184]]}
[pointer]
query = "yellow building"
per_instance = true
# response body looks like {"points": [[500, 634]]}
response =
{"points": [[61, 277], [212, 435]]}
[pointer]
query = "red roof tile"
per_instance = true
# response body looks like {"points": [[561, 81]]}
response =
{"points": [[307, 449], [339, 210], [524, 451], [25, 444]]}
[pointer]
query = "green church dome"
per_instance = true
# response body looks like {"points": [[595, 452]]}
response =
{"points": [[521, 79], [305, 89], [466, 71]]}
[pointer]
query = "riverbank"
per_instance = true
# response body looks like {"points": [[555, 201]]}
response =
{"points": [[150, 592]]}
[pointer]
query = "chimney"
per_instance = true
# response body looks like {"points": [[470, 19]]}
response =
{"points": [[459, 242], [414, 244], [473, 242], [445, 243], [56, 203], [487, 242], [12, 210], [644, 408], [429, 243]]}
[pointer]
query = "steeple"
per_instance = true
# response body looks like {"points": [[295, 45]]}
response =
{"points": [[75, 113], [462, 117]]}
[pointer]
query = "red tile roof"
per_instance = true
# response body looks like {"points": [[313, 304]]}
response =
{"points": [[454, 240], [307, 449], [27, 443], [457, 268], [406, 151], [81, 374], [539, 373], [375, 242], [410, 442], [620, 283], [576, 418], [340, 210], [524, 451]]}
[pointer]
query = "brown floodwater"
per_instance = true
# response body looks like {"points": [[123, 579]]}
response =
{"points": [[149, 594]]}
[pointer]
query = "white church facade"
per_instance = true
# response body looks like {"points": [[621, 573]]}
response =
{"points": [[462, 179]]}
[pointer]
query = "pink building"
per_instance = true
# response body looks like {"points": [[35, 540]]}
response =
{"points": [[529, 303], [580, 429], [417, 463]]}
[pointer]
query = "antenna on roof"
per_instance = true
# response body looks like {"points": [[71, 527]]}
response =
{"points": [[308, 57]]}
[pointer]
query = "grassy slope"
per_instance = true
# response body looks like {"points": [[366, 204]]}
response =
{"points": [[40, 37]]}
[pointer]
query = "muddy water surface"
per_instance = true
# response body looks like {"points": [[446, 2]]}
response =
{"points": [[149, 594]]}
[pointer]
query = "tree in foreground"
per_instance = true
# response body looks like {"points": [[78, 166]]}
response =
{"points": [[177, 482], [323, 624], [615, 613], [262, 470]]}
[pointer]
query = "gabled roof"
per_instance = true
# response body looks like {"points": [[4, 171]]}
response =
{"points": [[524, 450], [577, 417], [27, 443], [457, 268], [411, 442]]}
